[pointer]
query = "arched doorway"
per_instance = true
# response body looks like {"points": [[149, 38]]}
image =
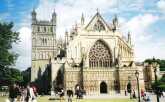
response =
{"points": [[103, 88]]}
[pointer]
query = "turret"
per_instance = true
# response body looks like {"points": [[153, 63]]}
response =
{"points": [[33, 14], [129, 38], [54, 18], [66, 37], [115, 23], [82, 19]]}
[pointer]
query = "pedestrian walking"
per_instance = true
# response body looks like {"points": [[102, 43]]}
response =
{"points": [[30, 97], [18, 93], [134, 94], [70, 95], [163, 93], [12, 93], [61, 94], [142, 93], [125, 92]]}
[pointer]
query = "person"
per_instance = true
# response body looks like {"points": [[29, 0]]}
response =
{"points": [[78, 92], [142, 93], [125, 92], [145, 97], [30, 97], [163, 93], [12, 93], [148, 99], [23, 94], [35, 90], [61, 94], [18, 93], [134, 94], [70, 95]]}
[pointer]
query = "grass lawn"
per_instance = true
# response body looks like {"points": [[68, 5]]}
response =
{"points": [[2, 99], [46, 99]]}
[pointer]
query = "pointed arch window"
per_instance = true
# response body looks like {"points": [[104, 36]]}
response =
{"points": [[44, 29]]}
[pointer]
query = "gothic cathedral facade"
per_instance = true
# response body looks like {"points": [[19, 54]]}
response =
{"points": [[96, 56]]}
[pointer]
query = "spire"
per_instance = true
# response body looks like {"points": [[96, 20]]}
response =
{"points": [[66, 37], [97, 10], [54, 15], [115, 23], [82, 19], [129, 38], [33, 14], [115, 20]]}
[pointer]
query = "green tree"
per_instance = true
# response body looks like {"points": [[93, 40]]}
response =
{"points": [[159, 61], [160, 85], [7, 56], [7, 38], [26, 76]]}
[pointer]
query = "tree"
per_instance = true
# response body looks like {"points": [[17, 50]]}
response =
{"points": [[7, 57], [9, 76], [7, 38], [160, 85], [26, 76], [160, 62]]}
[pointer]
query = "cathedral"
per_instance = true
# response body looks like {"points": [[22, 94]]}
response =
{"points": [[95, 56]]}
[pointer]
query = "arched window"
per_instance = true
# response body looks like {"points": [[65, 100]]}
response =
{"points": [[44, 29], [38, 28], [51, 29], [100, 55]]}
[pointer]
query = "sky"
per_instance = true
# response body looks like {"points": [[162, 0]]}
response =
{"points": [[145, 19]]}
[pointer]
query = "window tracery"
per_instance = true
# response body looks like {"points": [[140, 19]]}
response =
{"points": [[100, 55], [99, 26]]}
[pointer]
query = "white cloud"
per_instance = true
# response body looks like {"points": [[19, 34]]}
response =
{"points": [[69, 12], [155, 48], [161, 5], [145, 43], [23, 48], [139, 26]]}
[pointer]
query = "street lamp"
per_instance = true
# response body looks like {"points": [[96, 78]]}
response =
{"points": [[137, 77], [155, 64]]}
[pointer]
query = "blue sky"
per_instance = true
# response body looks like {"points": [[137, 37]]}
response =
{"points": [[145, 19]]}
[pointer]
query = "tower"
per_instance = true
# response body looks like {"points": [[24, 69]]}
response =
{"points": [[43, 44]]}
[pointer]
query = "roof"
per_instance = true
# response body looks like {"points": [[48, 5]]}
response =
{"points": [[95, 20]]}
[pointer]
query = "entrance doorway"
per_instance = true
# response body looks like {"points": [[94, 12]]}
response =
{"points": [[103, 88]]}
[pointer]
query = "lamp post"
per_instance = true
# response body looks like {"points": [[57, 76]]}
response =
{"points": [[137, 77], [155, 64]]}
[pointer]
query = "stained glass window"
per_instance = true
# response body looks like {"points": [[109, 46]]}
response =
{"points": [[100, 55]]}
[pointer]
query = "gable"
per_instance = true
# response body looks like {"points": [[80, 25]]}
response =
{"points": [[97, 24]]}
